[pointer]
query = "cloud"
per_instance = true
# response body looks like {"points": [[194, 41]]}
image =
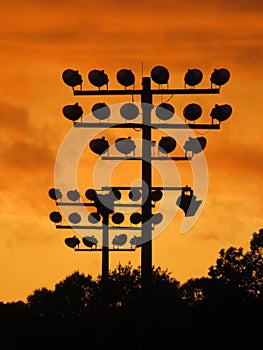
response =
{"points": [[22, 145], [26, 155], [51, 37], [236, 158], [86, 31], [222, 5], [15, 121]]}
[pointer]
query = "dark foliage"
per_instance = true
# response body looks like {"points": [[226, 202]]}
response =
{"points": [[223, 309]]}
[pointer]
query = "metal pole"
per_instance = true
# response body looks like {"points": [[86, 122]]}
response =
{"points": [[146, 250], [104, 287]]}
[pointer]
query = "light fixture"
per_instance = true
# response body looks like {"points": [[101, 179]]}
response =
{"points": [[136, 241], [136, 218], [101, 110], [164, 111], [98, 78], [220, 76], [125, 77], [115, 193], [74, 218], [195, 145], [193, 77], [166, 144], [72, 242], [104, 204], [72, 112], [94, 217], [156, 195], [117, 218], [119, 240], [55, 217], [188, 203], [72, 78], [55, 194], [160, 75], [125, 145], [90, 241], [192, 112], [129, 111], [99, 146], [73, 195], [221, 112], [134, 194], [91, 194]]}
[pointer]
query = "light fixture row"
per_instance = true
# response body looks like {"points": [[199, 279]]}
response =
{"points": [[90, 241], [104, 204], [91, 194], [164, 111], [159, 74], [95, 218], [166, 145]]}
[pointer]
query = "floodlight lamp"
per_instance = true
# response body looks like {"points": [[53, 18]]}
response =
{"points": [[117, 218], [94, 217], [72, 112], [72, 78], [156, 195], [135, 194], [125, 145], [160, 75], [136, 241], [99, 146], [193, 77], [164, 111], [125, 77], [90, 241], [72, 242], [116, 194], [195, 145], [119, 240], [98, 78], [91, 194], [101, 111], [129, 111], [55, 194], [104, 204], [166, 144], [221, 112], [220, 76], [136, 218], [55, 217], [74, 218], [192, 112], [73, 195], [188, 203]]}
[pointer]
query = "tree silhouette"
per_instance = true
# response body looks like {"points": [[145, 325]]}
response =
{"points": [[124, 286], [215, 309], [77, 294], [242, 270]]}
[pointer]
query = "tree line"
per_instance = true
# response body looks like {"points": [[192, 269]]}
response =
{"points": [[223, 309]]}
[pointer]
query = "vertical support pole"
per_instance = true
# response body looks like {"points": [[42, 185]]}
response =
{"points": [[146, 249], [104, 287]]}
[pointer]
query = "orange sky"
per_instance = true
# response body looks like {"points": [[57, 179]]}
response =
{"points": [[40, 39]]}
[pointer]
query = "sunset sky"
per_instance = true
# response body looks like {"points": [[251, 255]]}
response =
{"points": [[40, 39]]}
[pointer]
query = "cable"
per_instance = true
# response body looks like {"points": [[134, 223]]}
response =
{"points": [[169, 98], [204, 133]]}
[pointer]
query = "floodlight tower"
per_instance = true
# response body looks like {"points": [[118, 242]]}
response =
{"points": [[187, 201]]}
